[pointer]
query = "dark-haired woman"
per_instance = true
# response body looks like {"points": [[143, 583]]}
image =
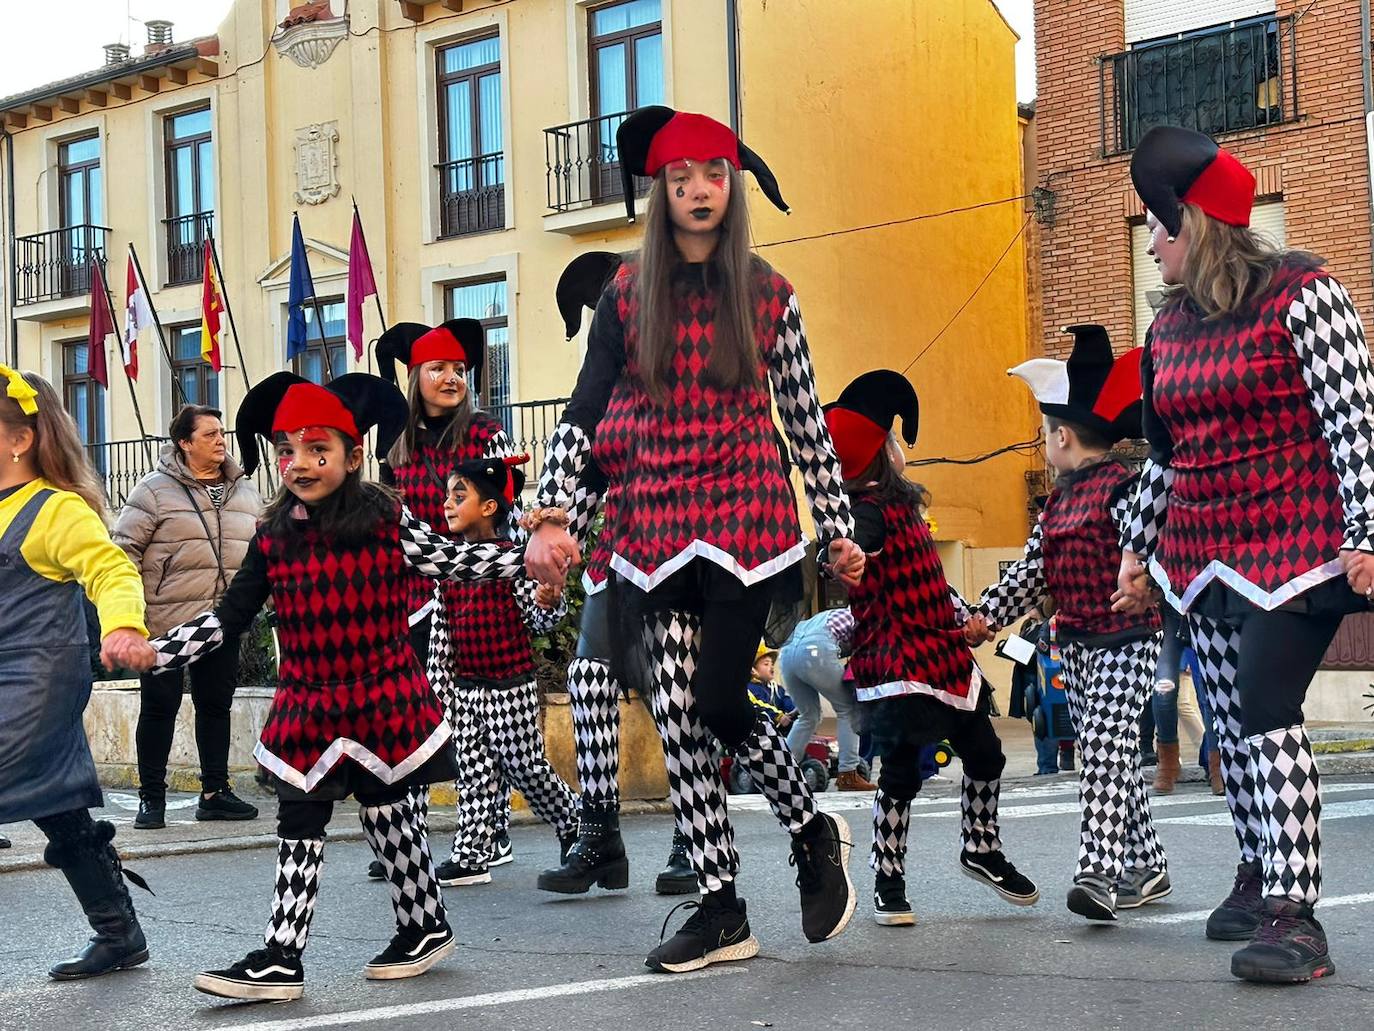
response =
{"points": [[187, 525], [692, 330], [1255, 513]]}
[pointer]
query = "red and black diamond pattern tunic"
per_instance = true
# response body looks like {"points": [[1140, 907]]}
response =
{"points": [[349, 684], [1263, 420], [907, 638], [490, 641]]}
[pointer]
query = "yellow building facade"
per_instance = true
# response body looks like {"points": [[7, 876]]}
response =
{"points": [[474, 137]]}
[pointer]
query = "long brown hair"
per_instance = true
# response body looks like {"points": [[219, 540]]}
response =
{"points": [[60, 456], [1228, 266], [734, 351], [348, 517], [455, 433]]}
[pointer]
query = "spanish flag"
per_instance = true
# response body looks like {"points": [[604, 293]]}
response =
{"points": [[211, 308]]}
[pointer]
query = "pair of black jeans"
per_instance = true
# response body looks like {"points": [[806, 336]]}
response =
{"points": [[214, 679]]}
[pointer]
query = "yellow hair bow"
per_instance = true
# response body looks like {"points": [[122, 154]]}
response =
{"points": [[20, 390]]}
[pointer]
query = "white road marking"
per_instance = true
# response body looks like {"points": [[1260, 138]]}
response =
{"points": [[1331, 811], [130, 802], [1202, 914], [471, 1002]]}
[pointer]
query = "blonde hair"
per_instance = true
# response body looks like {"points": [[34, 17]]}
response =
{"points": [[58, 452], [1228, 266]]}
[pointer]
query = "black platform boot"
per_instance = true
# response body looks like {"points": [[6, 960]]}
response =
{"points": [[679, 878], [92, 868], [596, 857]]}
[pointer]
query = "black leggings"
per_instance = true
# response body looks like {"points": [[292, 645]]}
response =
{"points": [[307, 818], [213, 682], [1279, 655], [730, 635], [928, 721]]}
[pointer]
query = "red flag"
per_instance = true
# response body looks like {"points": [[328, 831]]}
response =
{"points": [[102, 325], [211, 305], [361, 283]]}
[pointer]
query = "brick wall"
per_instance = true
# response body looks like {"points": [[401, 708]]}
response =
{"points": [[1319, 163]]}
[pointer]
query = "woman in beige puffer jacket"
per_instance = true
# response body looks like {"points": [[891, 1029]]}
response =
{"points": [[187, 526]]}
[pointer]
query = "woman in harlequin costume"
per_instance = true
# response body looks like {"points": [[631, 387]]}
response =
{"points": [[53, 546], [443, 426], [593, 688], [682, 349], [1089, 403], [353, 713], [1255, 514]]}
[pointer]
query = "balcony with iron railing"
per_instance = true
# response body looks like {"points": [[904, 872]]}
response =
{"points": [[52, 270], [1223, 80], [472, 195], [583, 177], [186, 236]]}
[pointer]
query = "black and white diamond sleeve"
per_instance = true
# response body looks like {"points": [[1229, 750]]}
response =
{"points": [[1331, 344], [962, 611], [441, 558], [565, 459], [1021, 586], [1146, 509], [242, 600], [186, 642], [539, 620], [794, 389]]}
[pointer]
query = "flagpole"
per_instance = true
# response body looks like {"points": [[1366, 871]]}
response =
{"points": [[228, 310], [157, 324], [133, 394], [378, 295]]}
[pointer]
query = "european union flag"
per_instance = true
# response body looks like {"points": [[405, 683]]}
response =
{"points": [[302, 289]]}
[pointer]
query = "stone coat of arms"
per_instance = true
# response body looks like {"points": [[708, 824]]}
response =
{"points": [[316, 163]]}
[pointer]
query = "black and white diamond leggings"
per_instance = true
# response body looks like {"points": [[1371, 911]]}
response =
{"points": [[397, 839], [1256, 675], [1108, 689]]}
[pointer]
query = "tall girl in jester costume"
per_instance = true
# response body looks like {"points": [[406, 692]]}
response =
{"points": [[682, 349], [1255, 514], [353, 712], [594, 691], [444, 368], [53, 546], [1089, 403], [914, 672]]}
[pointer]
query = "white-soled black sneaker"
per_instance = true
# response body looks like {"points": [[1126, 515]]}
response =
{"points": [[821, 855], [995, 870], [1140, 887], [269, 974], [714, 933], [890, 905], [452, 875], [502, 852], [1092, 897], [410, 957]]}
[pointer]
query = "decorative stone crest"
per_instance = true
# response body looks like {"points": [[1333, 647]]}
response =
{"points": [[309, 35], [316, 162]]}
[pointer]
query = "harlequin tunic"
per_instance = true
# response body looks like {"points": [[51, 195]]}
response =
{"points": [[492, 640], [1260, 429]]}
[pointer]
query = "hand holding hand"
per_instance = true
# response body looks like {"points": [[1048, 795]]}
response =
{"points": [[1134, 593], [127, 649], [846, 561], [1359, 571], [550, 554], [546, 597], [977, 631]]}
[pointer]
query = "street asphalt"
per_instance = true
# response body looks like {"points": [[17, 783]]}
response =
{"points": [[533, 961]]}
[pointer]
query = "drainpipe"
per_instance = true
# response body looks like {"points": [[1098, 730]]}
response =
{"points": [[1367, 73], [13, 277], [732, 59]]}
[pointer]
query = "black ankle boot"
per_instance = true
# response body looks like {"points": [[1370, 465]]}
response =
{"points": [[92, 868], [597, 856], [679, 878]]}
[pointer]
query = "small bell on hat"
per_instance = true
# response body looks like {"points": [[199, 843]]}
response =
{"points": [[581, 285], [1093, 389], [1172, 166], [862, 417], [351, 404], [653, 137], [413, 344], [501, 477]]}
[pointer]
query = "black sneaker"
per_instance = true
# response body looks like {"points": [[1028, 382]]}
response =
{"points": [[890, 907], [1092, 897], [152, 814], [501, 850], [1237, 918], [4, 841], [678, 877], [1138, 888], [225, 805], [995, 870], [715, 933], [271, 973], [1289, 946], [410, 957], [452, 875], [821, 855], [376, 871]]}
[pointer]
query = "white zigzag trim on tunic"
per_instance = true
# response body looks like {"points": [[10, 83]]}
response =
{"points": [[898, 688], [1257, 596], [701, 549], [360, 754]]}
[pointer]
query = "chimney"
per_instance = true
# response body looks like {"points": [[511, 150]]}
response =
{"points": [[116, 53], [159, 32]]}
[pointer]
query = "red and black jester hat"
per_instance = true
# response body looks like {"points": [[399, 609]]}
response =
{"points": [[351, 404], [860, 420], [412, 344], [655, 136], [1172, 167], [500, 476], [581, 285], [1093, 388]]}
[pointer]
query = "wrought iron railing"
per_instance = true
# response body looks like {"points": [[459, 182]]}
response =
{"points": [[472, 195], [583, 166], [56, 263], [1222, 80], [186, 236]]}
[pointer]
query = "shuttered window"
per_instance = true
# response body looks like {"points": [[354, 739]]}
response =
{"points": [[1153, 19]]}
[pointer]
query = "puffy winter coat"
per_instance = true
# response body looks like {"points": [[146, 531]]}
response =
{"points": [[185, 570]]}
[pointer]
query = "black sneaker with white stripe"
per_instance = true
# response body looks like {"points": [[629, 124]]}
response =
{"points": [[890, 906], [272, 974], [820, 852], [1092, 896], [501, 850], [718, 932], [1137, 888], [452, 875], [409, 956], [995, 870]]}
